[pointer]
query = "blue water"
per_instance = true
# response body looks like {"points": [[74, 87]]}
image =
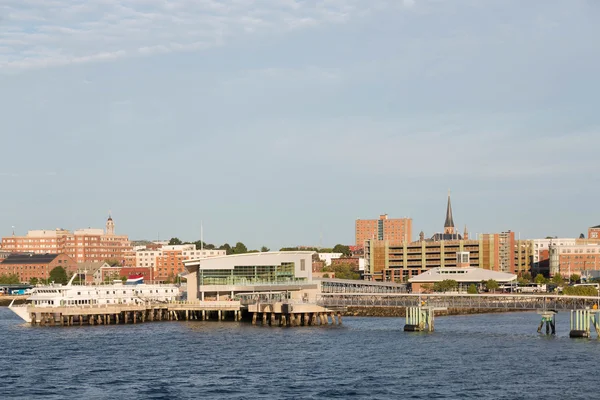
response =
{"points": [[496, 356]]}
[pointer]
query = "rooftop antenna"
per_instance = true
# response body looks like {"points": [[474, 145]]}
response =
{"points": [[13, 228]]}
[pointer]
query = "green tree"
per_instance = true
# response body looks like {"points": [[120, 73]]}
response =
{"points": [[264, 249], [526, 277], [580, 291], [227, 248], [240, 248], [472, 289], [540, 279], [340, 248], [558, 280], [12, 279], [34, 281], [445, 286], [59, 275], [325, 275], [175, 241], [491, 285], [574, 278]]}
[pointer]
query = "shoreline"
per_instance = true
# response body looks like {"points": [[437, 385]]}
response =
{"points": [[401, 311]]}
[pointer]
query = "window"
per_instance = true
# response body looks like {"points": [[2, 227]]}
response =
{"points": [[302, 265]]}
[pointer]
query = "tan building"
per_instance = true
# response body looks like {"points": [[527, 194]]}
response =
{"points": [[398, 261], [28, 266], [384, 228], [82, 245]]}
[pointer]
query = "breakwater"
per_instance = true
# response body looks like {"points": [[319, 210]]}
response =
{"points": [[363, 311]]}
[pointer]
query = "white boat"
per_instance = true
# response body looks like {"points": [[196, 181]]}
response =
{"points": [[69, 295]]}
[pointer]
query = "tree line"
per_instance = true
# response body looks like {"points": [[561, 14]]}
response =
{"points": [[241, 248]]}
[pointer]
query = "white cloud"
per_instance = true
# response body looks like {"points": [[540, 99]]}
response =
{"points": [[44, 33]]}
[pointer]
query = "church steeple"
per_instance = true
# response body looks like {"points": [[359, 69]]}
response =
{"points": [[449, 224]]}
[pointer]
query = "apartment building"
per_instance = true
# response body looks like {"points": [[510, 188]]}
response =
{"points": [[82, 245], [384, 228]]}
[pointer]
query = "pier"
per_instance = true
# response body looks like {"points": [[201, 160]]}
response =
{"points": [[292, 314], [133, 313]]}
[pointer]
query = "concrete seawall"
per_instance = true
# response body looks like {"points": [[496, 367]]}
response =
{"points": [[400, 311]]}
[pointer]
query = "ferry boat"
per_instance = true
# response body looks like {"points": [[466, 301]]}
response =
{"points": [[134, 291]]}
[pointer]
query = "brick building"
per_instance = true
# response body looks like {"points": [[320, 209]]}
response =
{"points": [[581, 259], [28, 266], [82, 245], [384, 228]]}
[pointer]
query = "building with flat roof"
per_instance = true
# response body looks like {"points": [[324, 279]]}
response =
{"points": [[566, 259], [224, 277], [82, 245], [384, 228]]}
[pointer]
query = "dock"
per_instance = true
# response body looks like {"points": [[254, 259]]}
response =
{"points": [[134, 313]]}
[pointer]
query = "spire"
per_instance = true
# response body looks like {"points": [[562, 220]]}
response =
{"points": [[449, 224]]}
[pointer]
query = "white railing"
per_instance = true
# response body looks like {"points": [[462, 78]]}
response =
{"points": [[476, 301]]}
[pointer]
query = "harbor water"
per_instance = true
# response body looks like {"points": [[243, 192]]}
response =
{"points": [[495, 356]]}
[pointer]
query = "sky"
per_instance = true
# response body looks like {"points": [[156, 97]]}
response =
{"points": [[280, 122]]}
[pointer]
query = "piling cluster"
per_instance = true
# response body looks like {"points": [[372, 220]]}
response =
{"points": [[297, 319]]}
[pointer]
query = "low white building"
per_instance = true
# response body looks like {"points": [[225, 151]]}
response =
{"points": [[463, 275], [327, 257]]}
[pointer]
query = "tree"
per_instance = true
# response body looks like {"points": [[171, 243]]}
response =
{"points": [[34, 281], [227, 248], [264, 249], [11, 279], [340, 248], [574, 278], [472, 289], [59, 275], [580, 291], [426, 288], [240, 248], [540, 279], [558, 280], [175, 241], [325, 275], [491, 285], [445, 286], [526, 277]]}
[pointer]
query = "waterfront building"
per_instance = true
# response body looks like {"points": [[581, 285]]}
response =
{"points": [[566, 259], [82, 245], [224, 277], [465, 276], [168, 261], [28, 266], [384, 228]]}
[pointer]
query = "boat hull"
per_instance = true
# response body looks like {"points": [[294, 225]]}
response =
{"points": [[21, 311]]}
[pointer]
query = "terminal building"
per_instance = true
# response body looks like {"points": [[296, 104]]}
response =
{"points": [[222, 278]]}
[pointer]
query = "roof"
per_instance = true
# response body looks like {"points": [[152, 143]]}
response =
{"points": [[91, 266], [446, 236], [30, 258], [595, 227], [449, 220], [250, 259], [462, 275]]}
